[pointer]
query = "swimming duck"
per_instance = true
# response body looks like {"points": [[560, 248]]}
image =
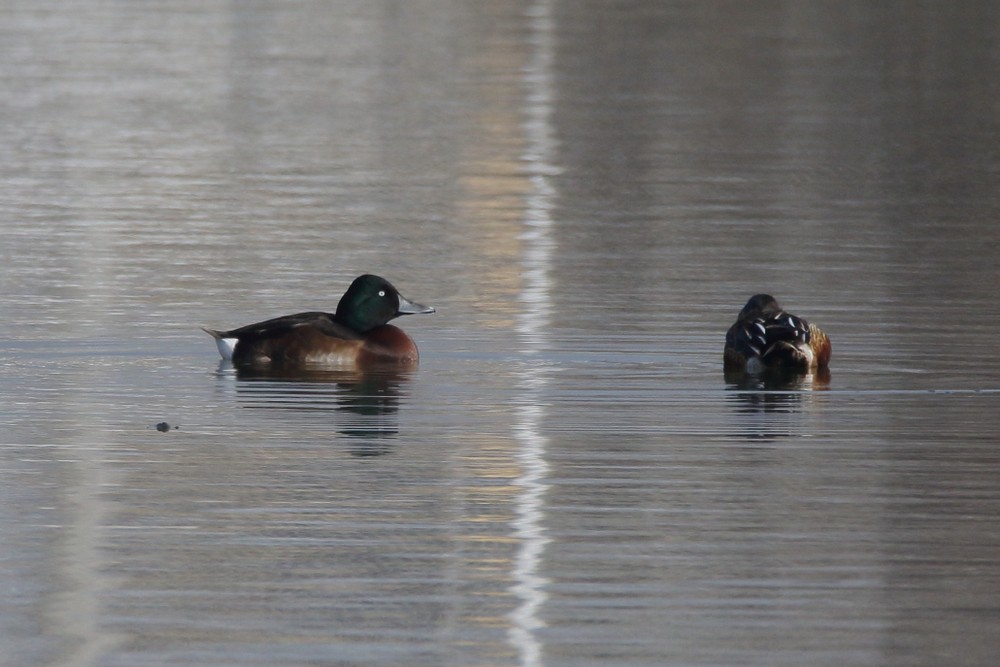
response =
{"points": [[766, 337], [357, 335]]}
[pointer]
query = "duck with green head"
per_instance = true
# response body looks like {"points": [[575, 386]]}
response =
{"points": [[357, 335]]}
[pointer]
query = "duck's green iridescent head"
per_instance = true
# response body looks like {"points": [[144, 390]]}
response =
{"points": [[372, 301]]}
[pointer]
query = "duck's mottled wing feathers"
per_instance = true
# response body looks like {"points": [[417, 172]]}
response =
{"points": [[786, 327], [753, 337], [767, 337]]}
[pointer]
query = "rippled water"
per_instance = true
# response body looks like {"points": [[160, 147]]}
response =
{"points": [[587, 192]]}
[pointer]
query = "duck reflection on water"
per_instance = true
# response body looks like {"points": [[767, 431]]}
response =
{"points": [[775, 389], [363, 405], [767, 403]]}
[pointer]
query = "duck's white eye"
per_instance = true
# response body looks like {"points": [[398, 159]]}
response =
{"points": [[381, 292]]}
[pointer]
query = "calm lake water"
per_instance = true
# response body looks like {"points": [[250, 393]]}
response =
{"points": [[587, 192]]}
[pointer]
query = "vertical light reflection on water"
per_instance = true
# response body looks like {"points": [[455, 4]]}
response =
{"points": [[537, 247], [74, 612]]}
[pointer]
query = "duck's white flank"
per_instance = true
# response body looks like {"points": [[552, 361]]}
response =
{"points": [[226, 347]]}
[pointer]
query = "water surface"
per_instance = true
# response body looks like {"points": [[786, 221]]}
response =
{"points": [[588, 193]]}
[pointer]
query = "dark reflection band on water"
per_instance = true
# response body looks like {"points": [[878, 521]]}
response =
{"points": [[764, 402], [360, 405], [537, 248]]}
